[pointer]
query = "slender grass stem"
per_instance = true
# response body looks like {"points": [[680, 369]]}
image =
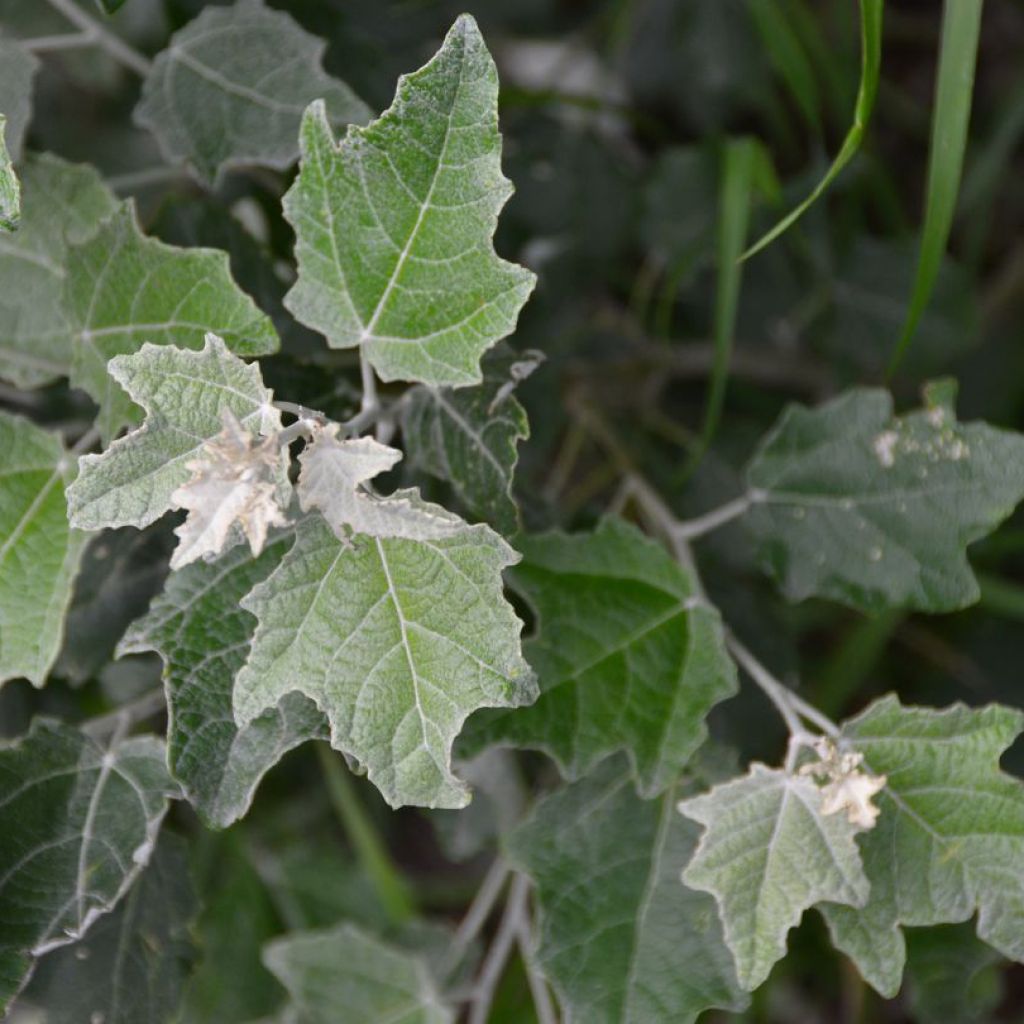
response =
{"points": [[391, 888]]}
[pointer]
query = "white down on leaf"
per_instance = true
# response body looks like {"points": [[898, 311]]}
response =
{"points": [[235, 488], [333, 478]]}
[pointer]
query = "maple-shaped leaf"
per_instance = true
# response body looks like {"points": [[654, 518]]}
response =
{"points": [[10, 189], [78, 822], [332, 480], [949, 842], [874, 510], [622, 941], [628, 657], [62, 204], [231, 86], [768, 852], [133, 965], [239, 485], [185, 395], [345, 967], [123, 289], [394, 223], [203, 634], [470, 436], [39, 552], [396, 640]]}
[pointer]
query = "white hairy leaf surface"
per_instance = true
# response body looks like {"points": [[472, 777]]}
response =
{"points": [[767, 854], [333, 478], [239, 485], [394, 223], [396, 641], [185, 395], [949, 842]]}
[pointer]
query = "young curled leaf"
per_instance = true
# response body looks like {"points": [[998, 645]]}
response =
{"points": [[239, 485], [333, 478], [846, 787]]}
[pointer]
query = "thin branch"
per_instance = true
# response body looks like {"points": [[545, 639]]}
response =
{"points": [[131, 180], [369, 379], [688, 529], [542, 1002], [301, 412], [300, 428], [811, 714], [120, 719], [113, 44], [85, 442], [373, 855], [64, 41], [772, 688], [497, 956], [479, 911]]}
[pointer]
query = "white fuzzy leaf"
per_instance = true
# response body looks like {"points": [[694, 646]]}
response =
{"points": [[396, 641], [239, 484], [767, 854], [332, 480], [185, 395]]}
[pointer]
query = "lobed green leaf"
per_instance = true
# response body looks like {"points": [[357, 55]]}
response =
{"points": [[628, 656], [393, 224], [123, 290], [39, 552], [231, 87]]}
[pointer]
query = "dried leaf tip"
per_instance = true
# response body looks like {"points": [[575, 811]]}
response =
{"points": [[845, 787], [236, 486]]}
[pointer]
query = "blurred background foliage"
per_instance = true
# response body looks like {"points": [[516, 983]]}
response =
{"points": [[618, 117]]}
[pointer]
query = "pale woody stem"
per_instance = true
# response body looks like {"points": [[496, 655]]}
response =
{"points": [[688, 529], [65, 41], [114, 45], [678, 534], [479, 911], [516, 911], [370, 400]]}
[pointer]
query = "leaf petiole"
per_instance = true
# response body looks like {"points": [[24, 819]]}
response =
{"points": [[113, 44]]}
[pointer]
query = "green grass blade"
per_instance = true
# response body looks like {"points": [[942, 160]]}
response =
{"points": [[739, 166], [786, 52], [961, 22], [871, 62]]}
